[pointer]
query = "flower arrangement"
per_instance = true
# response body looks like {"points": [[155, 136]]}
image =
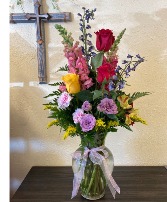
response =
{"points": [[90, 99]]}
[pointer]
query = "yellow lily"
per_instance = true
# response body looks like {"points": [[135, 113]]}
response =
{"points": [[123, 100]]}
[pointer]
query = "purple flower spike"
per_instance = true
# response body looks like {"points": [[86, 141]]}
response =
{"points": [[107, 106]]}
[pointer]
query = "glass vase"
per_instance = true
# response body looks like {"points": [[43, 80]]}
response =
{"points": [[93, 184]]}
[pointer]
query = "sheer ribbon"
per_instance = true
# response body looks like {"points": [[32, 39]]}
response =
{"points": [[96, 158]]}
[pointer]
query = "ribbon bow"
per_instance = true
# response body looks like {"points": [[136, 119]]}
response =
{"points": [[96, 158]]}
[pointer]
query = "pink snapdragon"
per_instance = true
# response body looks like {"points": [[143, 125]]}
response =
{"points": [[77, 64], [83, 72], [72, 54]]}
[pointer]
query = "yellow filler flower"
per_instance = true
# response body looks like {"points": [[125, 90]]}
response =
{"points": [[70, 130]]}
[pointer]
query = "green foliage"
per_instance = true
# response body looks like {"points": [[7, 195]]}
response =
{"points": [[87, 139], [55, 5], [112, 116], [125, 126], [137, 95], [113, 129], [63, 68], [56, 84], [67, 39], [97, 94], [85, 95], [63, 116], [113, 95], [97, 60], [50, 103], [54, 93], [116, 42], [19, 2]]}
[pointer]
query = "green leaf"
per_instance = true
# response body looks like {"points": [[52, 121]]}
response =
{"points": [[56, 84], [63, 68], [97, 60], [113, 129], [137, 95], [85, 95], [125, 126], [104, 83], [55, 93], [97, 94], [112, 116], [113, 95]]}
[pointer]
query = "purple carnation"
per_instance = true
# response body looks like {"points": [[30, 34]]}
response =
{"points": [[87, 122], [86, 106], [107, 106]]}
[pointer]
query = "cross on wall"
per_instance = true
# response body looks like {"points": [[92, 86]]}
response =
{"points": [[39, 19]]}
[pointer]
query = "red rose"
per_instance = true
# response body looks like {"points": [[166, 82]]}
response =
{"points": [[105, 71], [104, 40]]}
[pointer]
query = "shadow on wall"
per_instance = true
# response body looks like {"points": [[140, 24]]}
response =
{"points": [[150, 39], [30, 142]]}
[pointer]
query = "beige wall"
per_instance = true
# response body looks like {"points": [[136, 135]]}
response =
{"points": [[32, 143]]}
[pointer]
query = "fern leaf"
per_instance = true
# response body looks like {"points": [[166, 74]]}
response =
{"points": [[56, 84], [137, 95], [55, 93], [63, 68]]}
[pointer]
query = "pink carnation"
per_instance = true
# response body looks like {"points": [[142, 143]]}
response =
{"points": [[64, 100], [77, 115]]}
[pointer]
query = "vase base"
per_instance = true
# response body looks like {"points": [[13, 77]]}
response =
{"points": [[94, 197]]}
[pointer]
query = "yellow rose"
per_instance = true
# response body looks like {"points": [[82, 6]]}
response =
{"points": [[72, 83]]}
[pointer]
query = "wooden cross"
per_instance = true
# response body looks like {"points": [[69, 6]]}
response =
{"points": [[39, 20]]}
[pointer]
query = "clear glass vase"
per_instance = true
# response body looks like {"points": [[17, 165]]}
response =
{"points": [[93, 184]]}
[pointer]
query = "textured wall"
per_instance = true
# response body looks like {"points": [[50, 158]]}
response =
{"points": [[32, 143]]}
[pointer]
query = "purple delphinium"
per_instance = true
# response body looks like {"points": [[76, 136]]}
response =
{"points": [[107, 106], [87, 48], [86, 106], [87, 122]]}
